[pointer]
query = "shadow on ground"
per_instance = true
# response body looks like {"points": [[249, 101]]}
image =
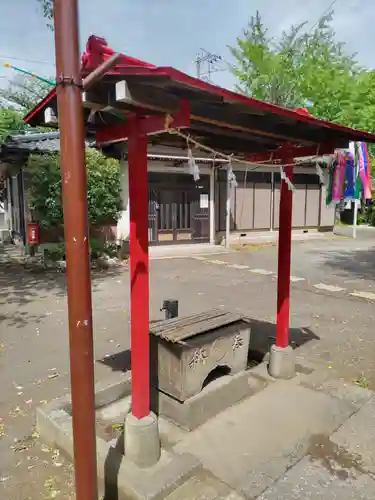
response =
{"points": [[118, 362], [263, 336], [359, 264], [20, 287]]}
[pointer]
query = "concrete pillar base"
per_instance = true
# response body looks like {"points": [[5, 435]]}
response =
{"points": [[142, 442], [282, 362]]}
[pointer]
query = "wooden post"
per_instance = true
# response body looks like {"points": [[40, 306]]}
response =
{"points": [[228, 209], [284, 260], [139, 270], [212, 204], [74, 183]]}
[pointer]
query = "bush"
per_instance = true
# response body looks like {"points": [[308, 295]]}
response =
{"points": [[362, 217], [43, 179], [99, 248], [103, 188], [55, 253], [111, 249]]}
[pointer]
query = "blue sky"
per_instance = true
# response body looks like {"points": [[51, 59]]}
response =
{"points": [[171, 32]]}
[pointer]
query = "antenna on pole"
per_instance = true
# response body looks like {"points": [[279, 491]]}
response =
{"points": [[207, 64]]}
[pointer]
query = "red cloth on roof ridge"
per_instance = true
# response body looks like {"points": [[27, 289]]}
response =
{"points": [[97, 51], [302, 111]]}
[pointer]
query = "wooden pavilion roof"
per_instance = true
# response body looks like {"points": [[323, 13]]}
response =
{"points": [[221, 119]]}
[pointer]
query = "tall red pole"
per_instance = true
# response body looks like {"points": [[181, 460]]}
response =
{"points": [[74, 182], [284, 260], [139, 270]]}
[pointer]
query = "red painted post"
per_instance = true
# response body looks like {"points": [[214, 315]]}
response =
{"points": [[139, 270], [284, 260]]}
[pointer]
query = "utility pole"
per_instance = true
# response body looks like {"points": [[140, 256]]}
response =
{"points": [[210, 61], [74, 182]]}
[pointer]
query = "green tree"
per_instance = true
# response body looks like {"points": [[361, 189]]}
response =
{"points": [[267, 70], [43, 178], [362, 112], [23, 93], [47, 7], [103, 187], [11, 121], [45, 193], [302, 68], [330, 77]]}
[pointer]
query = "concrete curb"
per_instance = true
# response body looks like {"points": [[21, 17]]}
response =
{"points": [[215, 398], [117, 475]]}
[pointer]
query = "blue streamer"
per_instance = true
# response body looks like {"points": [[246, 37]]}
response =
{"points": [[350, 178]]}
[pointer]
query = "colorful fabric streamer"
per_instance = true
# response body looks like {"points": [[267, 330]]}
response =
{"points": [[350, 177], [361, 165], [368, 163], [331, 169], [357, 182], [364, 169], [366, 179], [338, 177]]}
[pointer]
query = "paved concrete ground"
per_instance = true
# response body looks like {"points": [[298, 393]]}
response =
{"points": [[337, 467], [362, 231], [332, 328], [181, 251], [253, 444]]}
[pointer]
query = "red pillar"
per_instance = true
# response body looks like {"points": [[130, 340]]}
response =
{"points": [[284, 260], [139, 270]]}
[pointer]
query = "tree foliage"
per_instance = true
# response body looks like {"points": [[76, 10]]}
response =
{"points": [[43, 178], [307, 68], [47, 7], [11, 122], [103, 187], [43, 171], [361, 113], [45, 192], [23, 93], [264, 68]]}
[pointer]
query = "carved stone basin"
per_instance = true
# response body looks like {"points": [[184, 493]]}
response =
{"points": [[185, 350]]}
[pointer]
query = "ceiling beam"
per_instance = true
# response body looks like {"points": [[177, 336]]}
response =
{"points": [[292, 151], [221, 131], [145, 97], [129, 96], [148, 125]]}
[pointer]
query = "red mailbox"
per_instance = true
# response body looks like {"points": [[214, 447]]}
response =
{"points": [[33, 233]]}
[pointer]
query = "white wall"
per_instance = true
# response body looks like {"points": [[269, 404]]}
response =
{"points": [[123, 223]]}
